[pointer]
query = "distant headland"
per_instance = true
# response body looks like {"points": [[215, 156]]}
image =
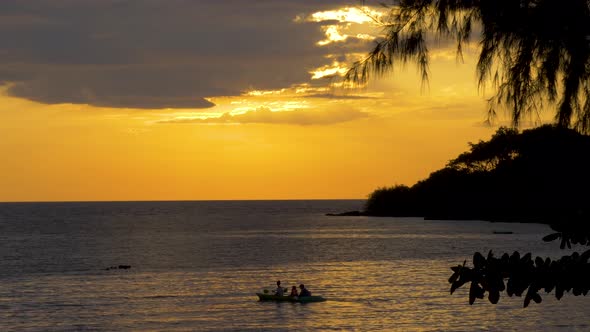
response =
{"points": [[539, 175]]}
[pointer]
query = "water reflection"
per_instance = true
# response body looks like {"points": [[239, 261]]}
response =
{"points": [[193, 268]]}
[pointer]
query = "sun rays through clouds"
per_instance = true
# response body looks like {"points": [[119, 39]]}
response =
{"points": [[219, 100]]}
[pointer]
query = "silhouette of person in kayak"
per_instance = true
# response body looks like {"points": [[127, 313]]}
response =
{"points": [[280, 291], [304, 291], [294, 291]]}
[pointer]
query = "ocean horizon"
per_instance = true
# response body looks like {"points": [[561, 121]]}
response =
{"points": [[198, 266], [187, 200]]}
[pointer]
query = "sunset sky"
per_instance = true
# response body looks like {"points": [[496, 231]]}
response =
{"points": [[229, 99]]}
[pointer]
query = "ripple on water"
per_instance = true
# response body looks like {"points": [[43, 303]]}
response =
{"points": [[197, 266]]}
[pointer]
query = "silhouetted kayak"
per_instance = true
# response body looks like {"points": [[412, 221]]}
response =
{"points": [[303, 299]]}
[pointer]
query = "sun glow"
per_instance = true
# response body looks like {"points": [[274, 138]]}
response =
{"points": [[344, 23], [300, 133], [333, 35], [357, 15], [264, 92], [334, 69]]}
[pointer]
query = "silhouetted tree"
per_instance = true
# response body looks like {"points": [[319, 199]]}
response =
{"points": [[379, 202], [534, 52], [555, 190], [486, 156], [539, 175]]}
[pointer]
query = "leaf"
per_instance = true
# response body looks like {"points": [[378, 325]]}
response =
{"points": [[515, 257], [457, 268], [505, 258], [547, 261], [510, 287], [478, 260], [473, 292], [494, 296], [559, 292], [552, 237], [549, 288], [527, 300], [526, 258], [490, 255], [531, 295], [456, 285], [584, 256]]}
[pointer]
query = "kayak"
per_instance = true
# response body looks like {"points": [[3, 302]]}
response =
{"points": [[302, 299]]}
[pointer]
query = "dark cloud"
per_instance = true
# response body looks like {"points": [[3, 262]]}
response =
{"points": [[305, 117], [156, 53], [108, 96]]}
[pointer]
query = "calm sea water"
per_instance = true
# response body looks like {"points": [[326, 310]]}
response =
{"points": [[197, 266]]}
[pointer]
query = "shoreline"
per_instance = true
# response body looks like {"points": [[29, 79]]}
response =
{"points": [[521, 220]]}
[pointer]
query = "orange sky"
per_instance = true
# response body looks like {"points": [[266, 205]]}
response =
{"points": [[290, 142]]}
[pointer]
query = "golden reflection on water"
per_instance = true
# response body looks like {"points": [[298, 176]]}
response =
{"points": [[368, 295], [195, 273]]}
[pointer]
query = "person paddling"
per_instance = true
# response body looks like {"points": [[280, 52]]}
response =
{"points": [[304, 291], [280, 291]]}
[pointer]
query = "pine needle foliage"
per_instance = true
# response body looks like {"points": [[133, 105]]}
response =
{"points": [[535, 53]]}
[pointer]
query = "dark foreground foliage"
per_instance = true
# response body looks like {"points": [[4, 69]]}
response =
{"points": [[525, 275]]}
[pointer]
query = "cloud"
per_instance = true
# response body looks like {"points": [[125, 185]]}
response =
{"points": [[334, 69], [157, 53], [339, 96], [108, 96], [304, 117], [177, 53], [346, 15]]}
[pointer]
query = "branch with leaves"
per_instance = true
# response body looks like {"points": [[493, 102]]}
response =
{"points": [[524, 275], [534, 52]]}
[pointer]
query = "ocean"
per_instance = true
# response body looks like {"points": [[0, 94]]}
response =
{"points": [[196, 266]]}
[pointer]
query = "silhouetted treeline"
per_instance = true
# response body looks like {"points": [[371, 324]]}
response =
{"points": [[539, 175]]}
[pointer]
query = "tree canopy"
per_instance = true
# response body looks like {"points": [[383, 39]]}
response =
{"points": [[535, 53], [539, 175]]}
